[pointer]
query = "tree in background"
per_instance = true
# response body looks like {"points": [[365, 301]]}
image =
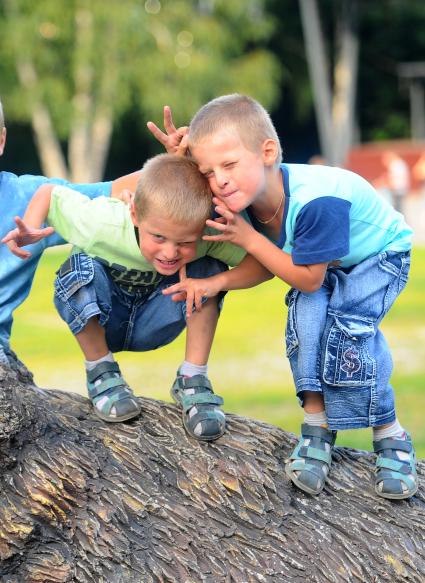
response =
{"points": [[72, 68], [334, 80]]}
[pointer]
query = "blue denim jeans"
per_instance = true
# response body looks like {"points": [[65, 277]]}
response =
{"points": [[334, 344], [132, 321], [16, 275]]}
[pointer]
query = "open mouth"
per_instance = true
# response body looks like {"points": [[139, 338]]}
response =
{"points": [[167, 264]]}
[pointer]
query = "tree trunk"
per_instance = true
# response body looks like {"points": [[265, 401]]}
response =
{"points": [[84, 501], [334, 95]]}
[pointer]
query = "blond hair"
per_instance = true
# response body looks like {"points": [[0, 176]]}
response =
{"points": [[172, 187], [1, 117], [248, 117]]}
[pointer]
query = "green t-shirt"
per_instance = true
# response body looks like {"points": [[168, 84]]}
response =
{"points": [[102, 228]]}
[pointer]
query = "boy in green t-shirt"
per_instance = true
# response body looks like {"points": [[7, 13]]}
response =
{"points": [[109, 291]]}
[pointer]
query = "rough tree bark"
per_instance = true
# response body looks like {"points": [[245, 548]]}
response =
{"points": [[84, 501]]}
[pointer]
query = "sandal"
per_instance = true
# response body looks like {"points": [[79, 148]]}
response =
{"points": [[106, 385], [396, 478], [202, 417], [310, 462]]}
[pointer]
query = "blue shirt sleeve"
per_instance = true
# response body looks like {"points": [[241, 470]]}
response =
{"points": [[90, 190], [322, 231]]}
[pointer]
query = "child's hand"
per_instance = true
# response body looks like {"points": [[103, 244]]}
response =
{"points": [[125, 196], [231, 225], [175, 139], [192, 290], [24, 235]]}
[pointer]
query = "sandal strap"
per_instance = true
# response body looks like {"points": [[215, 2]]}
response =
{"points": [[195, 382], [206, 398], [316, 431], [385, 463], [315, 453], [105, 387], [391, 443], [102, 368]]}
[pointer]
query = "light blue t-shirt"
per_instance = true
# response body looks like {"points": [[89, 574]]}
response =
{"points": [[332, 214]]}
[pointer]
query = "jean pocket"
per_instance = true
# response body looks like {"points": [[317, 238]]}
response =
{"points": [[347, 360], [291, 322], [76, 272]]}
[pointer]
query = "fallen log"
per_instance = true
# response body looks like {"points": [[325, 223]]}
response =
{"points": [[139, 502]]}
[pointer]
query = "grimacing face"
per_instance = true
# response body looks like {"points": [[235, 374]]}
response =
{"points": [[167, 244]]}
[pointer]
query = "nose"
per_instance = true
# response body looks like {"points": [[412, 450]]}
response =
{"points": [[221, 179], [169, 251]]}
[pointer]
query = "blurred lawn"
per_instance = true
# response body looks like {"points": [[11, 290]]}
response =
{"points": [[247, 366]]}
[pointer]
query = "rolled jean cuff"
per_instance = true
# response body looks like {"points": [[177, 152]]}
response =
{"points": [[306, 384], [77, 322]]}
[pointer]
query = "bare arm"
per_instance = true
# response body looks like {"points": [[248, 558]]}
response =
{"points": [[306, 278], [28, 230]]}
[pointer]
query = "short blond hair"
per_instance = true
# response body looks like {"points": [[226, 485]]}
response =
{"points": [[172, 187], [1, 117], [248, 117]]}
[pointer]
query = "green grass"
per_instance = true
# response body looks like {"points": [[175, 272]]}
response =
{"points": [[247, 365]]}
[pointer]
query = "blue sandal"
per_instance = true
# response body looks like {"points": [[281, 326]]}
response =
{"points": [[310, 462], [396, 478], [202, 417], [105, 383]]}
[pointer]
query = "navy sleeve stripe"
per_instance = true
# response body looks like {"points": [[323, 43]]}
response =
{"points": [[322, 231]]}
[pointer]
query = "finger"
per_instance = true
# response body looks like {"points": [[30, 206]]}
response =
{"points": [[216, 225], [169, 126], [182, 148], [225, 212], [21, 253], [189, 303], [126, 196], [222, 237], [198, 301], [20, 224], [10, 236], [179, 297], [47, 231], [182, 273], [157, 133], [220, 202], [173, 289]]}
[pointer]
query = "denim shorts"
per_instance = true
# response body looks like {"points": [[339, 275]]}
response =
{"points": [[334, 344], [132, 321]]}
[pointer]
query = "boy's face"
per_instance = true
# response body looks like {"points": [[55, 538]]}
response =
{"points": [[235, 174], [165, 243]]}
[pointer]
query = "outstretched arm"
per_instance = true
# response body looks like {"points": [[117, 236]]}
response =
{"points": [[248, 273], [29, 229]]}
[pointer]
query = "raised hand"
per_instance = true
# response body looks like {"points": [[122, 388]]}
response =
{"points": [[24, 235], [173, 139], [193, 290], [231, 226]]}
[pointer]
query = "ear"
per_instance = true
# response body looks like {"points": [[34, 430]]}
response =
{"points": [[269, 150], [2, 141], [133, 214]]}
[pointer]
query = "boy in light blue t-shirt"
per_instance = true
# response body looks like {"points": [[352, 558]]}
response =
{"points": [[346, 255]]}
